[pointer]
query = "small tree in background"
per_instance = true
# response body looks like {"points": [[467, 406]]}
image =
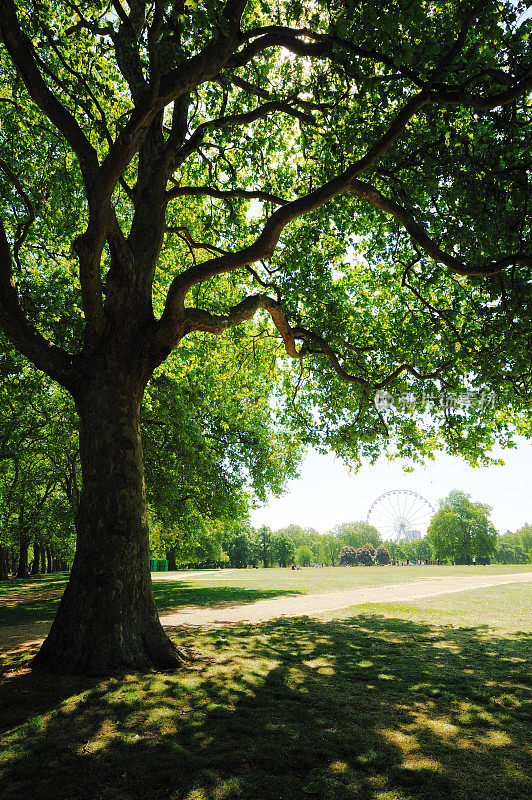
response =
{"points": [[303, 555], [366, 555], [283, 549], [382, 555], [525, 536], [355, 534], [348, 555], [510, 550], [396, 551]]}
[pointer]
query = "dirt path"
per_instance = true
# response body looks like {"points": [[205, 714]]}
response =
{"points": [[26, 637], [308, 604]]}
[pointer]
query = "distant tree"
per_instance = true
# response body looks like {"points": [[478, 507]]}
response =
{"points": [[328, 549], [348, 555], [238, 544], [357, 533], [396, 551], [420, 548], [382, 555], [366, 554], [283, 549], [303, 555], [509, 550], [525, 535], [461, 529], [264, 536]]}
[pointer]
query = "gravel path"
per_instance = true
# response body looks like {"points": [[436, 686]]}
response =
{"points": [[308, 604], [25, 636]]}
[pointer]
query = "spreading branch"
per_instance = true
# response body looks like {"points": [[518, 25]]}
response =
{"points": [[22, 53], [197, 319], [427, 244], [19, 330], [223, 194]]}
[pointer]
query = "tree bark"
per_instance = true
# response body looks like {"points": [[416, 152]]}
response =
{"points": [[36, 564], [107, 620], [170, 557], [22, 569], [4, 563], [43, 560]]}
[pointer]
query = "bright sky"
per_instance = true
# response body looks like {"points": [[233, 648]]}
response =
{"points": [[327, 493]]}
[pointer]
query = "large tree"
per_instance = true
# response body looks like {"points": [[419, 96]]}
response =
{"points": [[461, 529], [207, 161]]}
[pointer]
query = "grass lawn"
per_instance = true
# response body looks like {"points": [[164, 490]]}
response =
{"points": [[420, 701], [36, 599]]}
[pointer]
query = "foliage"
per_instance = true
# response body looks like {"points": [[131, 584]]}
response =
{"points": [[209, 443], [283, 549], [382, 555], [348, 555], [525, 537], [38, 465], [240, 544], [265, 540], [356, 534], [510, 550], [331, 101], [366, 555], [461, 529], [303, 555]]}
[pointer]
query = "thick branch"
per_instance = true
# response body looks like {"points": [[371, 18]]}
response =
{"points": [[21, 51], [264, 245], [426, 243], [199, 319], [198, 69], [23, 229], [479, 103], [197, 191], [177, 157]]}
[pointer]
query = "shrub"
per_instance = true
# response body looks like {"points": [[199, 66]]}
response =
{"points": [[382, 555], [366, 555], [348, 555]]}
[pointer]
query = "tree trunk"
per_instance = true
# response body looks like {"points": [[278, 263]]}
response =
{"points": [[48, 555], [107, 620], [4, 563], [36, 564], [22, 569], [170, 557], [43, 560]]}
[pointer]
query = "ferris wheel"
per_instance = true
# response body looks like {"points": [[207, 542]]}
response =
{"points": [[400, 514]]}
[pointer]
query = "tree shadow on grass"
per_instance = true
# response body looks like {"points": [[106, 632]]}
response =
{"points": [[363, 709], [174, 595], [16, 610], [18, 588]]}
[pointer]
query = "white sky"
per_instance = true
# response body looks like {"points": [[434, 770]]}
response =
{"points": [[327, 493]]}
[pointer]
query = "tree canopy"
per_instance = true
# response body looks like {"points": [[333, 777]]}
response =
{"points": [[351, 162], [169, 169], [461, 529]]}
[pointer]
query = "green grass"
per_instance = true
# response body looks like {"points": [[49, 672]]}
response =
{"points": [[310, 580], [421, 701], [36, 599], [504, 608]]}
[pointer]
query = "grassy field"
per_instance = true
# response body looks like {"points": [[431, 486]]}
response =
{"points": [[36, 599], [421, 701]]}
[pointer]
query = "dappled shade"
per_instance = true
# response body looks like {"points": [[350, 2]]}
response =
{"points": [[364, 708]]}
